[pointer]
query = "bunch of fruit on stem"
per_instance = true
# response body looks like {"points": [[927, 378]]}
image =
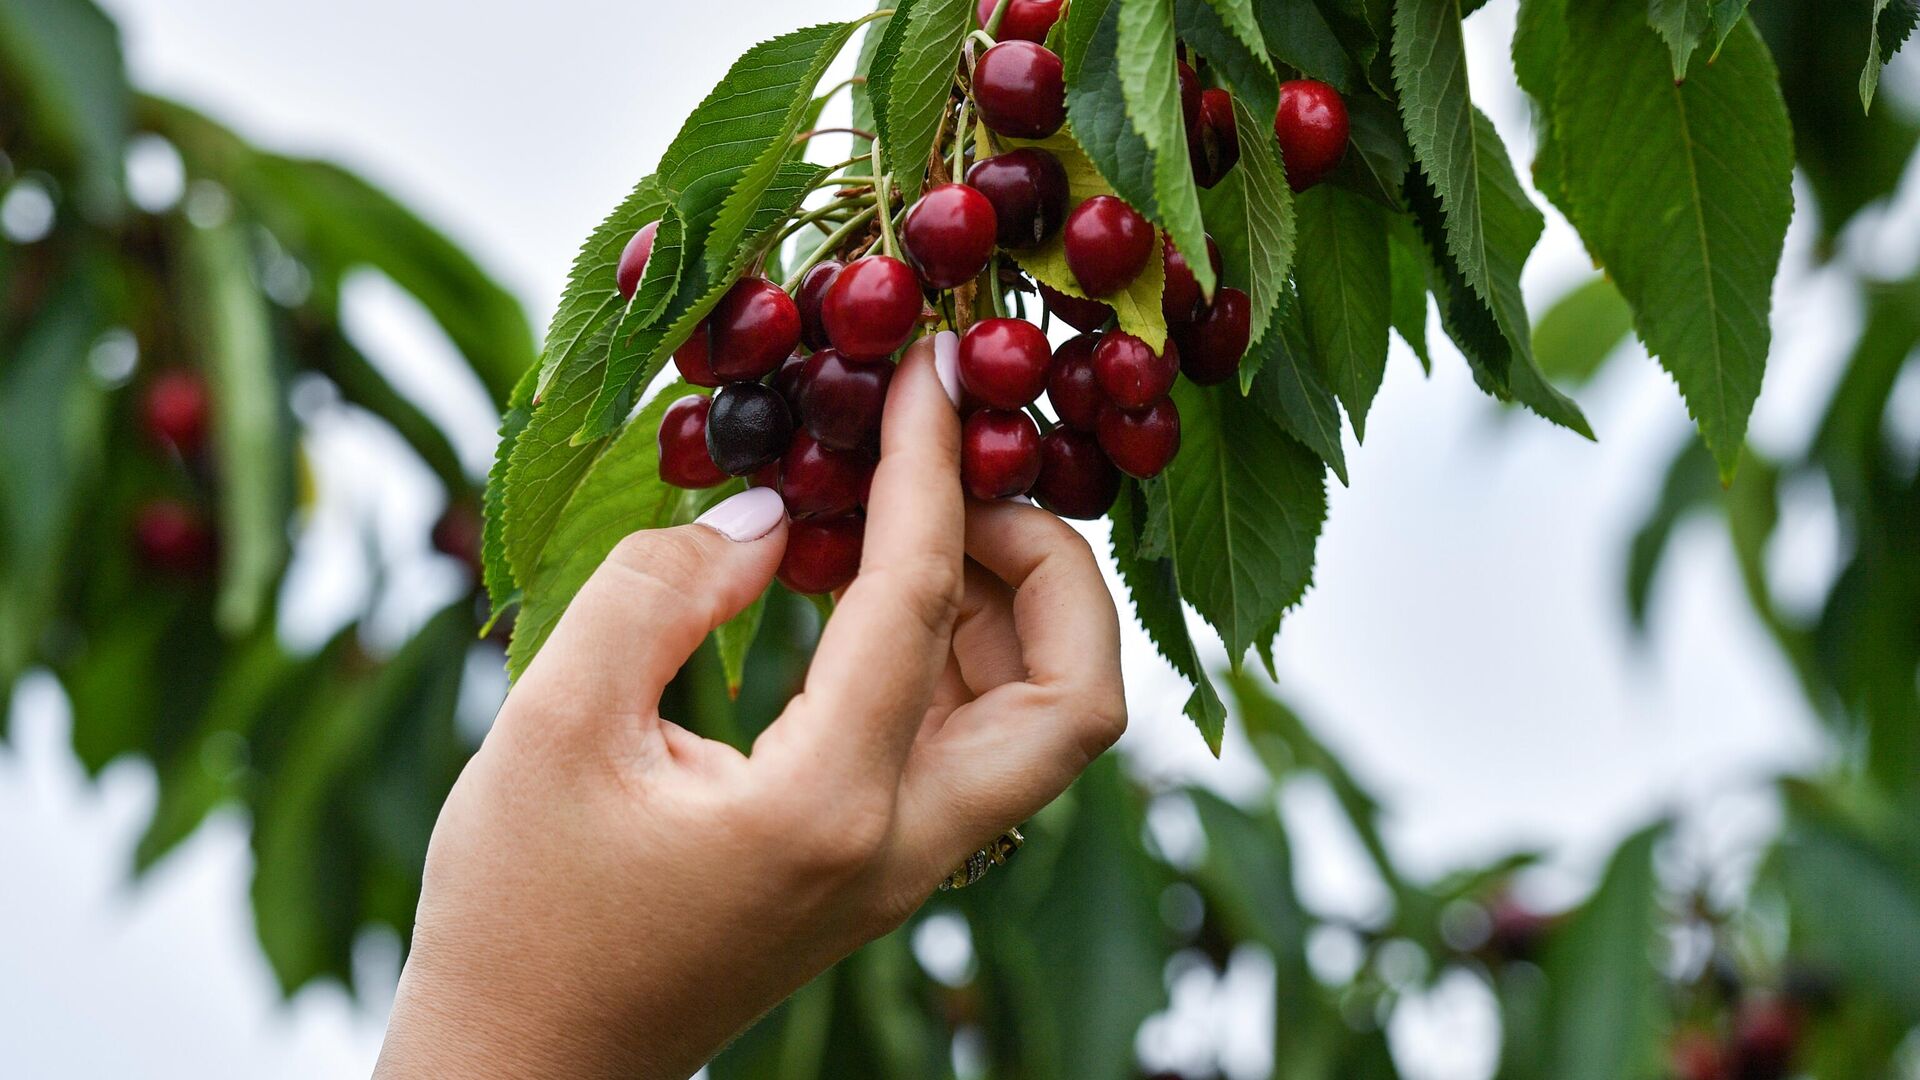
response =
{"points": [[171, 535], [801, 372]]}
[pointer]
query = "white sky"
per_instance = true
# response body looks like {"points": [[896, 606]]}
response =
{"points": [[1465, 644]]}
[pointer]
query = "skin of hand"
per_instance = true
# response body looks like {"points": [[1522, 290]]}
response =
{"points": [[609, 895]]}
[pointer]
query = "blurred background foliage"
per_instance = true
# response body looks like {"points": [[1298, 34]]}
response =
{"points": [[1803, 961]]}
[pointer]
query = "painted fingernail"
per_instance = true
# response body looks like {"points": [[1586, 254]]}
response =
{"points": [[749, 515], [946, 363]]}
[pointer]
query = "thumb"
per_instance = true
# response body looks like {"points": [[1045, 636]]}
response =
{"points": [[652, 602]]}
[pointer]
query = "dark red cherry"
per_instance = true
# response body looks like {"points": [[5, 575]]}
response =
{"points": [[1108, 244], [1311, 125], [175, 411], [694, 358], [949, 235], [1189, 96], [458, 534], [1021, 90], [1183, 302], [813, 289], [999, 453], [633, 260], [1003, 362], [173, 538], [1077, 479], [823, 554], [1215, 144], [819, 481], [1697, 1054], [872, 308], [1766, 1034], [1141, 442], [748, 426], [791, 380], [684, 460], [1131, 374], [1078, 312], [1072, 386], [766, 476], [841, 400], [1211, 349], [1028, 190], [1025, 20], [754, 327]]}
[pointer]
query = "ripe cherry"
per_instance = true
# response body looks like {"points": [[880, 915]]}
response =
{"points": [[1215, 143], [1003, 362], [823, 554], [174, 411], [633, 260], [171, 537], [872, 307], [1183, 302], [1072, 386], [949, 235], [813, 289], [1515, 930], [1141, 442], [754, 327], [791, 380], [694, 358], [1131, 374], [1766, 1031], [1028, 190], [1189, 97], [458, 533], [1311, 125], [819, 481], [1021, 90], [748, 426], [841, 399], [1211, 349], [999, 453], [1025, 20], [1697, 1055], [684, 460], [1108, 244], [1077, 479], [1078, 312]]}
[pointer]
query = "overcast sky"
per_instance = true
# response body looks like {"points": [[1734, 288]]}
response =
{"points": [[1465, 643]]}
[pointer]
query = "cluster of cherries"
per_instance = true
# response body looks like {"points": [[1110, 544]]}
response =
{"points": [[170, 535], [1760, 1044], [802, 379]]}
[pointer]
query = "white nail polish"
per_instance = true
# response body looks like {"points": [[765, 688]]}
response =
{"points": [[747, 516], [946, 363]]}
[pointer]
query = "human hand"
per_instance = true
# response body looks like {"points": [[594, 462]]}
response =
{"points": [[608, 894]]}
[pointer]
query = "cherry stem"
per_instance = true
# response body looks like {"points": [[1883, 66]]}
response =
{"points": [[960, 141], [983, 37], [992, 282], [883, 189], [828, 246], [845, 205], [993, 21], [854, 131], [856, 80], [885, 13]]}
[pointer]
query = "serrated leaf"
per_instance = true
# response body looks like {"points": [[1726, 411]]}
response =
{"points": [[1893, 22], [1346, 289], [1268, 226], [591, 297], [733, 638], [1137, 308], [1299, 37], [1609, 1005], [1681, 24], [1410, 268], [1580, 330], [1239, 17], [661, 278], [544, 463], [1289, 386], [1690, 484], [1377, 152], [1150, 87], [1726, 15], [1154, 588], [64, 63], [496, 571], [1683, 194], [1244, 67], [912, 83], [1097, 106]]}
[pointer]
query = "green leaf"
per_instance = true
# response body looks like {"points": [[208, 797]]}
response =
{"points": [[1893, 22], [591, 297], [1690, 485], [912, 83], [1377, 152], [734, 637], [1300, 38], [1097, 105], [661, 279], [1269, 224], [1290, 387], [496, 567], [63, 57], [1154, 588], [1410, 269], [1681, 24], [1248, 872], [1346, 294], [1609, 1003], [544, 463], [1581, 330], [1855, 897], [1683, 194], [1240, 17], [1244, 66], [1248, 503], [1150, 86], [1726, 15]]}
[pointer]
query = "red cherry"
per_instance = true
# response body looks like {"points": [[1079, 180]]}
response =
{"points": [[999, 453], [1028, 190], [819, 481], [1215, 143], [1141, 442], [694, 358], [1311, 125], [813, 289], [1189, 97], [1183, 302], [1131, 374], [1003, 362], [633, 260], [872, 308], [457, 534], [841, 400], [684, 460], [1021, 90], [748, 426], [1078, 312], [175, 410], [1072, 386], [1766, 1031], [766, 476], [1077, 479], [1516, 931], [823, 554], [791, 380], [1108, 244], [1211, 349], [172, 538], [754, 327], [949, 235], [1025, 20], [1697, 1055]]}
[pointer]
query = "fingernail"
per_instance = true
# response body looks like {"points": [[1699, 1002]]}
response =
{"points": [[749, 515], [946, 363]]}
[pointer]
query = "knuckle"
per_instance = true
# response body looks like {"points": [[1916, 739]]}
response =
{"points": [[932, 589], [1100, 724], [836, 841], [660, 564]]}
